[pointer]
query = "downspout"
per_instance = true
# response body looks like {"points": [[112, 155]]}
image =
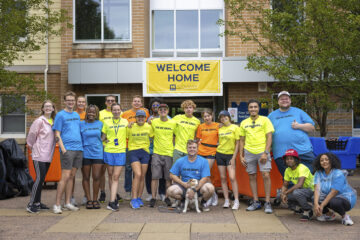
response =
{"points": [[46, 58]]}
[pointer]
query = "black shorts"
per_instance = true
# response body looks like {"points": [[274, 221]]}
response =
{"points": [[88, 161], [223, 159], [208, 156]]}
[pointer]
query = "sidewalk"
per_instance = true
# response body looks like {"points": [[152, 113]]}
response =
{"points": [[149, 223]]}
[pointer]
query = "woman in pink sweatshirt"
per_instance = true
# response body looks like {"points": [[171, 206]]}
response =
{"points": [[41, 141]]}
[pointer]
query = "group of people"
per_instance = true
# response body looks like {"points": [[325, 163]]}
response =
{"points": [[164, 153]]}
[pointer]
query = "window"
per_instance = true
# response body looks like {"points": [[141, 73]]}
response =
{"points": [[102, 21], [12, 115], [186, 28], [99, 99]]}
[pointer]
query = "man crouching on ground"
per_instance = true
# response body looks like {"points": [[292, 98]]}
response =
{"points": [[189, 167]]}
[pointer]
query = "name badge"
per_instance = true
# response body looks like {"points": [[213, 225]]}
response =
{"points": [[116, 142]]}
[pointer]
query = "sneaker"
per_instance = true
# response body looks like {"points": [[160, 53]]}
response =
{"points": [[306, 216], [127, 196], [134, 204], [268, 208], [326, 218], [73, 201], [162, 197], [140, 201], [84, 201], [236, 205], [255, 205], [176, 204], [226, 203], [118, 198], [347, 220], [57, 209], [152, 202], [32, 208], [113, 206], [70, 207], [148, 198], [167, 201], [42, 206], [205, 205], [102, 197], [296, 209], [214, 201]]}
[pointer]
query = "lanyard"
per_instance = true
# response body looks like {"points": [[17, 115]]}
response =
{"points": [[116, 129]]}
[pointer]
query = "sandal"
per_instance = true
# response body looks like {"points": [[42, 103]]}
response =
{"points": [[89, 205], [96, 205]]}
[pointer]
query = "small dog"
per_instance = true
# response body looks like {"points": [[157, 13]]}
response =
{"points": [[193, 183]]}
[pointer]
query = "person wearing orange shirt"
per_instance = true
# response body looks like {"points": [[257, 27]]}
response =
{"points": [[130, 116], [208, 135]]}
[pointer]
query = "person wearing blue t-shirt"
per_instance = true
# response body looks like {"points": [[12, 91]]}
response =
{"points": [[67, 133], [93, 154], [292, 126], [332, 191], [189, 167]]}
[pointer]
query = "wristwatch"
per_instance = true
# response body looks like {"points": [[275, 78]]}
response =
{"points": [[267, 152]]}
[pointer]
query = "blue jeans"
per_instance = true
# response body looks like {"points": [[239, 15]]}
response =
{"points": [[128, 174], [306, 159]]}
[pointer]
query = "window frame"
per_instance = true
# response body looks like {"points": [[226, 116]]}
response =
{"points": [[13, 134], [102, 95], [102, 40], [198, 51]]}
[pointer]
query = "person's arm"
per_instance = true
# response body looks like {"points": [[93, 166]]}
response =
{"points": [[317, 211], [331, 195], [177, 179], [202, 181], [33, 133], [299, 184], [103, 137], [241, 150], [60, 142], [264, 156], [283, 191], [233, 159], [306, 127]]}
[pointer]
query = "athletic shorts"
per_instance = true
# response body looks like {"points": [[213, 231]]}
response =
{"points": [[160, 166], [88, 161], [139, 155], [208, 156], [71, 159], [115, 159], [223, 159], [184, 191], [253, 160]]}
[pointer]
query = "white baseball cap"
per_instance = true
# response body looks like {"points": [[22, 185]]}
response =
{"points": [[283, 93]]}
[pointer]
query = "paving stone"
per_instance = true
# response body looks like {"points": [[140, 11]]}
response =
{"points": [[166, 228], [119, 227], [23, 212], [164, 236], [213, 228]]}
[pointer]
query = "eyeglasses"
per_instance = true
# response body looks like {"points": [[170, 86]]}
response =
{"points": [[69, 100], [156, 105]]}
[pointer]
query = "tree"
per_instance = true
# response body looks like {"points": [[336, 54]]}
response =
{"points": [[24, 26], [309, 46]]}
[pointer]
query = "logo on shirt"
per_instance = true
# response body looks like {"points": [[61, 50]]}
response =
{"points": [[72, 119], [286, 116], [188, 123]]}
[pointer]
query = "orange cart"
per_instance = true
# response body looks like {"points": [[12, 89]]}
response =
{"points": [[54, 173]]}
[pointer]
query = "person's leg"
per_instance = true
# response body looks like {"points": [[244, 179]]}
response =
{"points": [[136, 169], [115, 182], [96, 175], [267, 185], [224, 184], [110, 170], [65, 177], [128, 174], [207, 190], [175, 191], [302, 196], [154, 186], [44, 168], [162, 186], [253, 186], [40, 170], [86, 169], [148, 177], [232, 176], [102, 178], [144, 168], [339, 205], [70, 186]]}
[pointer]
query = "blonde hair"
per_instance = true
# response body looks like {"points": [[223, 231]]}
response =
{"points": [[187, 103]]}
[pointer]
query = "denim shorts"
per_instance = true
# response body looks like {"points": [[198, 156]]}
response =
{"points": [[115, 159], [139, 155]]}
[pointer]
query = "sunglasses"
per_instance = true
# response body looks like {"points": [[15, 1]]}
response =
{"points": [[110, 100], [156, 105]]}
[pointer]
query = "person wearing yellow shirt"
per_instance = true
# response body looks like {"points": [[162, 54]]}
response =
{"points": [[255, 142], [302, 190], [105, 115], [114, 135], [162, 158], [226, 153], [186, 126], [138, 152]]}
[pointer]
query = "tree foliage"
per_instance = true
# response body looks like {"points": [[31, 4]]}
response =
{"points": [[309, 46], [24, 27]]}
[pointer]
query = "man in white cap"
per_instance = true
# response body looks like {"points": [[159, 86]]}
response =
{"points": [[292, 126]]}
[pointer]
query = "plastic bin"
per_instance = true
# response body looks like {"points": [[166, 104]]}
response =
{"points": [[54, 172], [243, 179]]}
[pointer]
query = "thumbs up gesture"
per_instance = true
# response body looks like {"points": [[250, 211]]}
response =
{"points": [[295, 125]]}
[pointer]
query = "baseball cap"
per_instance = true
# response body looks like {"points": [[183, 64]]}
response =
{"points": [[163, 105], [283, 93], [291, 152], [140, 113], [224, 113]]}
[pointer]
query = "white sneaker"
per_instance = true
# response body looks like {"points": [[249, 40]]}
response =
{"points": [[148, 198], [73, 201], [214, 199], [127, 196], [57, 209], [84, 201], [70, 207], [226, 203], [236, 205], [326, 218], [347, 220], [162, 197]]}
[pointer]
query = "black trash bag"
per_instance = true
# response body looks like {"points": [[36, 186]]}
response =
{"points": [[23, 181], [13, 153], [6, 190]]}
